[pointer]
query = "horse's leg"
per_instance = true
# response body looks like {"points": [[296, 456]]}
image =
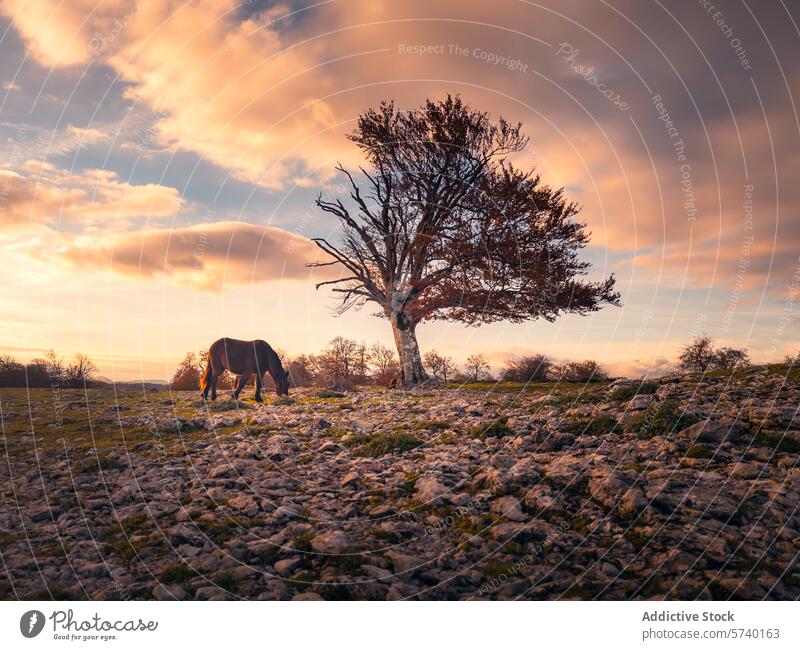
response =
{"points": [[242, 381], [259, 386], [215, 373], [205, 382]]}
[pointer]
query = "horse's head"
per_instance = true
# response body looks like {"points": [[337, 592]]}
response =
{"points": [[282, 383]]}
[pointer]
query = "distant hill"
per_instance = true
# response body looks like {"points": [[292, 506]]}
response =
{"points": [[140, 383]]}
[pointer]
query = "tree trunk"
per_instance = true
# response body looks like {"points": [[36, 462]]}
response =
{"points": [[405, 337]]}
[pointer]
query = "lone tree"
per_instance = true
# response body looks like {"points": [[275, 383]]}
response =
{"points": [[698, 354], [477, 368], [442, 368], [442, 226]]}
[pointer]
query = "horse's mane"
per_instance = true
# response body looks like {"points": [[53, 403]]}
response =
{"points": [[274, 361]]}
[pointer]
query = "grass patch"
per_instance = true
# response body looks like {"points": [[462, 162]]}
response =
{"points": [[406, 488], [431, 425], [176, 573], [659, 419], [219, 528], [627, 391], [574, 398], [386, 443], [497, 569], [778, 442], [578, 524], [699, 451], [349, 562], [225, 580], [120, 540], [329, 394], [227, 405], [494, 429], [598, 425], [303, 542], [102, 464]]}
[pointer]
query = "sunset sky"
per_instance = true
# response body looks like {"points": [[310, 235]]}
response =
{"points": [[161, 161]]}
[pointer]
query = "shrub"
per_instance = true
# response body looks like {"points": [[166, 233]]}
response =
{"points": [[300, 371], [386, 367], [659, 419], [580, 371], [700, 355], [697, 355], [187, 376], [529, 368], [441, 368], [731, 358], [48, 372], [477, 368], [793, 361]]}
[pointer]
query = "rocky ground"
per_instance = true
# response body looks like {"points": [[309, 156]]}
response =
{"points": [[684, 487]]}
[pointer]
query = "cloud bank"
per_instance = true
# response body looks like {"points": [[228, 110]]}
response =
{"points": [[204, 256]]}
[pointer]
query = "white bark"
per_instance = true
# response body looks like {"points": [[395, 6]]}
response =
{"points": [[405, 339]]}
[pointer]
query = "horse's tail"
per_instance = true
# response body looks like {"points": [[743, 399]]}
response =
{"points": [[206, 377]]}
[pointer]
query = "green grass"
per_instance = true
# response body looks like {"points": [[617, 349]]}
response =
{"points": [[578, 524], [598, 425], [176, 573], [627, 391], [494, 429], [778, 442], [225, 580], [497, 569], [791, 373], [217, 527], [408, 484], [445, 439], [431, 425], [349, 562], [119, 539], [385, 443], [329, 394], [101, 464], [303, 542], [659, 419], [77, 419], [699, 451]]}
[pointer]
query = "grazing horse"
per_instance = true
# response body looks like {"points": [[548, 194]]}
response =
{"points": [[243, 358]]}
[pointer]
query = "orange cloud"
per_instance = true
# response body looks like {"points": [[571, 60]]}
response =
{"points": [[202, 256], [58, 33], [43, 194]]}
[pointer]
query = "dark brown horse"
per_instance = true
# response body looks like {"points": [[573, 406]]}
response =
{"points": [[243, 358]]}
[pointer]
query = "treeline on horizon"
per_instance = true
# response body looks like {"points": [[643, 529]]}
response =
{"points": [[49, 371], [345, 363]]}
